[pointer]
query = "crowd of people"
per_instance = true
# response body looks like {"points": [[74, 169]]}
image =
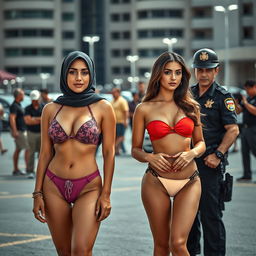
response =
{"points": [[191, 128]]}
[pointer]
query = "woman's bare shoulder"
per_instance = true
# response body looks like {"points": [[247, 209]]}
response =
{"points": [[51, 108], [103, 104]]}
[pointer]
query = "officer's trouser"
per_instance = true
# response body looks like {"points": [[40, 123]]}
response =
{"points": [[210, 215], [248, 140], [34, 141]]}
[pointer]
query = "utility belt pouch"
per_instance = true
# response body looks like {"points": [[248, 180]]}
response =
{"points": [[227, 187]]}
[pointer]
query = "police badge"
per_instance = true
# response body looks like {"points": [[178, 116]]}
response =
{"points": [[204, 56]]}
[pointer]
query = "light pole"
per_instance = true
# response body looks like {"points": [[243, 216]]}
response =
{"points": [[132, 59], [118, 82], [44, 77], [91, 40], [170, 42], [225, 10]]}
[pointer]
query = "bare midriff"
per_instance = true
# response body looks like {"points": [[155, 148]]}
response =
{"points": [[172, 144], [73, 159]]}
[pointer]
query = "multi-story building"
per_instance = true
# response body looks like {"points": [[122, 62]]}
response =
{"points": [[34, 37], [36, 34]]}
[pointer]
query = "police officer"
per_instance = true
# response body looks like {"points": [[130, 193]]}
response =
{"points": [[220, 131], [248, 138]]}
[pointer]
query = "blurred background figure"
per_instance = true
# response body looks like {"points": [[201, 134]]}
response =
{"points": [[121, 109], [45, 97], [248, 137], [32, 119], [141, 89], [132, 105], [2, 149], [18, 130]]}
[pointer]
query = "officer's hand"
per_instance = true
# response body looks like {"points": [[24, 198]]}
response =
{"points": [[212, 161]]}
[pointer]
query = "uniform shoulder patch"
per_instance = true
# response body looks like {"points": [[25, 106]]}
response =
{"points": [[222, 90], [230, 104]]}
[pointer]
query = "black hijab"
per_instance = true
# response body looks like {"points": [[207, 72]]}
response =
{"points": [[70, 98]]}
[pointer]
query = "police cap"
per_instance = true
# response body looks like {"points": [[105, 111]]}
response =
{"points": [[205, 58]]}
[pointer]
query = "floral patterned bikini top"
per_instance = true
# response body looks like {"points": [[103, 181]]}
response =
{"points": [[88, 133]]}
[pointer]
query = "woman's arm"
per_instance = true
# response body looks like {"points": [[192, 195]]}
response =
{"points": [[157, 161], [45, 156], [108, 127]]}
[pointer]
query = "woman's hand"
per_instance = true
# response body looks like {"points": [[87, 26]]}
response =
{"points": [[39, 209], [183, 159], [103, 207], [159, 162]]}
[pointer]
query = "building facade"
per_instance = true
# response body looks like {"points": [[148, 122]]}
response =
{"points": [[35, 36]]}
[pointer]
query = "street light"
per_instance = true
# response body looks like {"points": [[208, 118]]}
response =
{"points": [[20, 80], [118, 82], [225, 10], [132, 59], [91, 40], [170, 42], [44, 77]]}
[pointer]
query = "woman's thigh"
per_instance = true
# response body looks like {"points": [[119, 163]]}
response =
{"points": [[58, 215], [158, 208], [85, 224], [185, 207]]}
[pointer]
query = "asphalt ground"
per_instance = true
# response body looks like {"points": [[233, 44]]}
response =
{"points": [[126, 231]]}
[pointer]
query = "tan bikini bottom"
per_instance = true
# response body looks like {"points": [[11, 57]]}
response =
{"points": [[173, 187]]}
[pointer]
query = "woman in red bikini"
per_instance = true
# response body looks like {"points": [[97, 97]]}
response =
{"points": [[69, 194], [172, 119]]}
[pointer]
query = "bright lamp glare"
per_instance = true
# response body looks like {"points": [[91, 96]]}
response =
{"points": [[233, 7], [219, 8]]}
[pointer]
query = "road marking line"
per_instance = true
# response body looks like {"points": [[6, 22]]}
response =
{"points": [[36, 238]]}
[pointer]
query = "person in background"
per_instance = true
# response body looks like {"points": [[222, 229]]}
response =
{"points": [[45, 97], [172, 118], [2, 149], [32, 119], [132, 105], [121, 110], [18, 130], [220, 130], [141, 89], [248, 137], [70, 195]]}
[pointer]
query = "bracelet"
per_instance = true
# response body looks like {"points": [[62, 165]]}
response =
{"points": [[37, 193]]}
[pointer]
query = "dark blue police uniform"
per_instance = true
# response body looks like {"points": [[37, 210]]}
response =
{"points": [[248, 138], [218, 110]]}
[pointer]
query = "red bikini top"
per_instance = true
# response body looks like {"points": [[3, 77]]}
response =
{"points": [[157, 129]]}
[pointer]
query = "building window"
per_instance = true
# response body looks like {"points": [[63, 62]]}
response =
{"points": [[115, 17], [202, 34], [126, 52], [115, 35], [114, 1], [12, 52], [28, 14], [142, 33], [247, 9], [46, 32], [67, 1], [68, 16], [29, 32], [29, 70], [68, 34], [248, 32], [126, 1], [160, 13], [142, 71], [158, 33], [126, 35], [116, 53], [13, 70], [126, 70], [65, 52], [142, 15], [126, 17], [47, 69], [116, 70], [10, 33], [202, 12]]}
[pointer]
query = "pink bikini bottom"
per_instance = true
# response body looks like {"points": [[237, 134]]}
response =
{"points": [[173, 187], [71, 188]]}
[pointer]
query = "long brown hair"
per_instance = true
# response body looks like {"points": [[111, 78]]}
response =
{"points": [[182, 95]]}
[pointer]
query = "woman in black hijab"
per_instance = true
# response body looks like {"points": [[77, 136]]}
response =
{"points": [[69, 195]]}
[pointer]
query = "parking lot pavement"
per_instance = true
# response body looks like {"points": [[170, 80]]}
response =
{"points": [[126, 232]]}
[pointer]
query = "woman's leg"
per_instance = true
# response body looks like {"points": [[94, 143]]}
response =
{"points": [[59, 218], [185, 207], [158, 208], [85, 225]]}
